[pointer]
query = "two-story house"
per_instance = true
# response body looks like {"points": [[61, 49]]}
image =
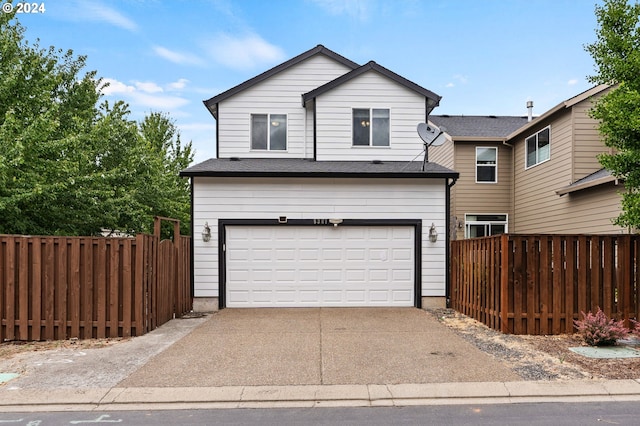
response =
{"points": [[523, 175], [319, 195]]}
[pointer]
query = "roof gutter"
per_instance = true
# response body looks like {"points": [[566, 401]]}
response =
{"points": [[300, 174]]}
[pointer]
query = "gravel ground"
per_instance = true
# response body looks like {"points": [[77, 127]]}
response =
{"points": [[538, 357]]}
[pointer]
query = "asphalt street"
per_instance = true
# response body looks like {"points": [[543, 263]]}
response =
{"points": [[570, 414]]}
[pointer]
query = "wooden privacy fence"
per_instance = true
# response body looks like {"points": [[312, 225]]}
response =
{"points": [[539, 284], [57, 288]]}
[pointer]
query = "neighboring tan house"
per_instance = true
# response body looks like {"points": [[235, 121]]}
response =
{"points": [[538, 176], [481, 200], [318, 195]]}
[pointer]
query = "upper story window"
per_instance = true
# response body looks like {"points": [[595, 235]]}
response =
{"points": [[538, 147], [269, 132], [370, 127], [486, 165]]}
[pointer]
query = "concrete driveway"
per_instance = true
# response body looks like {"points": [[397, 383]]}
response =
{"points": [[319, 346]]}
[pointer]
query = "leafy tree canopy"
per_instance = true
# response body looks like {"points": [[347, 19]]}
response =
{"points": [[70, 165], [616, 54]]}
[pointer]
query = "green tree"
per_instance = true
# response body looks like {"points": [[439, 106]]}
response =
{"points": [[616, 54], [162, 140], [70, 165]]}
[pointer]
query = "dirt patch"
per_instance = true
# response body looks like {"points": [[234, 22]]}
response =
{"points": [[10, 349], [538, 357]]}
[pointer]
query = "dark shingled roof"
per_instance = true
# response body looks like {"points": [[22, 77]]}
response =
{"points": [[297, 167], [491, 126], [600, 177], [600, 174]]}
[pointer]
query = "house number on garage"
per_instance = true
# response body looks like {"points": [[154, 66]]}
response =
{"points": [[320, 221]]}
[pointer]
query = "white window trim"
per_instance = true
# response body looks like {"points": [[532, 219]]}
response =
{"points": [[525, 148], [485, 165], [268, 114], [371, 129], [485, 222]]}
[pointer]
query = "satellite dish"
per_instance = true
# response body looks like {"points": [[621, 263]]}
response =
{"points": [[431, 135]]}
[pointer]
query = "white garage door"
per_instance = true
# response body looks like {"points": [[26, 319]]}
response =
{"points": [[289, 266]]}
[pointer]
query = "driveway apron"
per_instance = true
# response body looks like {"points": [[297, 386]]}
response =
{"points": [[312, 346]]}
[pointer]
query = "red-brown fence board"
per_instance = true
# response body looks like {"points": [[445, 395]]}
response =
{"points": [[540, 284], [86, 287]]}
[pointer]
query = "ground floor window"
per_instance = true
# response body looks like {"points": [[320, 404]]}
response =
{"points": [[483, 225]]}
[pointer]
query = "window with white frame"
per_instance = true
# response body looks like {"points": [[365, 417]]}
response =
{"points": [[484, 225], [538, 147], [486, 165], [370, 127], [269, 132]]}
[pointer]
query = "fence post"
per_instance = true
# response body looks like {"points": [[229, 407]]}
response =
{"points": [[503, 309]]}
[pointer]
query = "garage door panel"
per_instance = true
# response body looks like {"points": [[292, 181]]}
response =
{"points": [[355, 296], [401, 254], [319, 266]]}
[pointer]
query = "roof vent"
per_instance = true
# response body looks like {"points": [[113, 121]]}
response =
{"points": [[376, 161], [492, 116], [234, 159], [529, 110]]}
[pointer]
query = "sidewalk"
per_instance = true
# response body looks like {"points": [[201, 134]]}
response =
{"points": [[30, 400], [240, 359]]}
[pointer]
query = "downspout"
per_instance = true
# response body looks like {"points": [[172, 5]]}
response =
{"points": [[193, 237], [448, 240], [512, 201]]}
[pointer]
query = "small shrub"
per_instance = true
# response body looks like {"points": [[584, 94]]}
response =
{"points": [[636, 328], [598, 330]]}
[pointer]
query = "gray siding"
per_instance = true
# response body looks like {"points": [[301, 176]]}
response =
{"points": [[369, 90], [280, 94], [251, 198]]}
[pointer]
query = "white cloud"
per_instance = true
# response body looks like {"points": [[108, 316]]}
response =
{"points": [[177, 85], [246, 52], [148, 86], [111, 87], [177, 57], [97, 12], [459, 78], [359, 9], [143, 95], [572, 82]]}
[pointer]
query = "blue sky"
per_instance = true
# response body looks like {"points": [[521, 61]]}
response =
{"points": [[484, 57]]}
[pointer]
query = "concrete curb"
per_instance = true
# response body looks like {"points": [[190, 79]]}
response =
{"points": [[316, 395]]}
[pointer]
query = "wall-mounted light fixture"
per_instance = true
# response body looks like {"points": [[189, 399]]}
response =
{"points": [[206, 232], [335, 222], [433, 234]]}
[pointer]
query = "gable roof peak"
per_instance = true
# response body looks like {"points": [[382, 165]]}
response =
{"points": [[433, 99], [211, 103]]}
